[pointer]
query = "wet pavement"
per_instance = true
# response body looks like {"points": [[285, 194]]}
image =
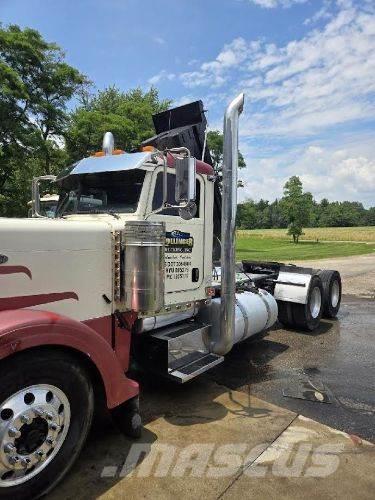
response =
{"points": [[240, 403], [338, 358]]}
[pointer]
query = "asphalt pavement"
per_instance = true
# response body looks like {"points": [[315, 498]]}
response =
{"points": [[296, 410], [338, 359]]}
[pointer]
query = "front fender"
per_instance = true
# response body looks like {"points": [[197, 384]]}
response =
{"points": [[26, 328]]}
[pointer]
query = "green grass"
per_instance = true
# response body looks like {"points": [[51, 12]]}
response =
{"points": [[261, 247], [363, 234]]}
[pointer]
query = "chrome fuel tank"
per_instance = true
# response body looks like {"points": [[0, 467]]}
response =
{"points": [[144, 245], [254, 313]]}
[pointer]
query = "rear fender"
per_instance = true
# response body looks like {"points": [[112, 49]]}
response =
{"points": [[25, 328], [292, 286]]}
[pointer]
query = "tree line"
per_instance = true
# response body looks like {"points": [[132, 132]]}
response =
{"points": [[264, 214], [50, 117]]}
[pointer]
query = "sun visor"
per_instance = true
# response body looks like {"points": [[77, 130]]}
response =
{"points": [[101, 164]]}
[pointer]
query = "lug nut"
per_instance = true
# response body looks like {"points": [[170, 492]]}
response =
{"points": [[13, 460], [25, 462], [39, 412], [26, 419], [13, 432], [49, 416], [8, 448], [40, 455], [50, 441], [54, 427]]}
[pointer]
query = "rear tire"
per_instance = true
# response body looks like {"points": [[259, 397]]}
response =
{"points": [[285, 313], [332, 290], [307, 316], [46, 404]]}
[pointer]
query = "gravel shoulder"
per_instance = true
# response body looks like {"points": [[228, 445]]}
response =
{"points": [[357, 273]]}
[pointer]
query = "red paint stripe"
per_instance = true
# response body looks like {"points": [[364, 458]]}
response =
{"points": [[15, 270], [9, 303]]}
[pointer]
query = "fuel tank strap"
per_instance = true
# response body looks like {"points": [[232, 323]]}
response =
{"points": [[245, 318], [269, 314]]}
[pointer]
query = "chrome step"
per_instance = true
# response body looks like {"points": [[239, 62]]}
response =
{"points": [[200, 364], [178, 351], [180, 340]]}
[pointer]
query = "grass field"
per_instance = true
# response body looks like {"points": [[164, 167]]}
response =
{"points": [[366, 233], [317, 243]]}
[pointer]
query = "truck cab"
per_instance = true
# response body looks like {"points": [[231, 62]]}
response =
{"points": [[130, 187]]}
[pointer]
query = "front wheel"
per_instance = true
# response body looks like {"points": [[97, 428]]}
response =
{"points": [[46, 408]]}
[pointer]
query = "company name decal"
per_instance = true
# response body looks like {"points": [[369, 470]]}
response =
{"points": [[179, 242]]}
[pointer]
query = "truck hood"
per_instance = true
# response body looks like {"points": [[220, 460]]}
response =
{"points": [[52, 234]]}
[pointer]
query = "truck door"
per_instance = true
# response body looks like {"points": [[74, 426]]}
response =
{"points": [[184, 253]]}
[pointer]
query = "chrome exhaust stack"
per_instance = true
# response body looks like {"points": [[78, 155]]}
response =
{"points": [[228, 228]]}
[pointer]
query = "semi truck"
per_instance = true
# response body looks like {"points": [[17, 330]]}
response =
{"points": [[137, 267]]}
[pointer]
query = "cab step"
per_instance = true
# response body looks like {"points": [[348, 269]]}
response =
{"points": [[196, 363], [179, 352]]}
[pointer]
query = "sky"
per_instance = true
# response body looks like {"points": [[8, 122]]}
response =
{"points": [[307, 68]]}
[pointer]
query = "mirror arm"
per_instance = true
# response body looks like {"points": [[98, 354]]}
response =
{"points": [[35, 196]]}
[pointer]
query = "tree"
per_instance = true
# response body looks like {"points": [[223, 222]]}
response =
{"points": [[296, 205], [35, 88], [215, 143], [128, 115], [247, 216], [370, 217]]}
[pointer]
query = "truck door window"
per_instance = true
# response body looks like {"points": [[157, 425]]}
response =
{"points": [[158, 195]]}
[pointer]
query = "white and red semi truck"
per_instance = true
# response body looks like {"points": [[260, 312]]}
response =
{"points": [[129, 271]]}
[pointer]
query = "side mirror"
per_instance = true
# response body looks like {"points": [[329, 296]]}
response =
{"points": [[185, 180], [35, 193]]}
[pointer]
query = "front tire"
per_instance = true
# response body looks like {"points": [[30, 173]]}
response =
{"points": [[46, 409]]}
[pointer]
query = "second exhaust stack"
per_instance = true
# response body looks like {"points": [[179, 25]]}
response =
{"points": [[228, 227]]}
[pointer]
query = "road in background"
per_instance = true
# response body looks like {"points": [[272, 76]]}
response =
{"points": [[357, 273]]}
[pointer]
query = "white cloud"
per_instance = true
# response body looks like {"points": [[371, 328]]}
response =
{"points": [[324, 79], [320, 85], [159, 40], [323, 13], [212, 73], [162, 75], [271, 4], [327, 172]]}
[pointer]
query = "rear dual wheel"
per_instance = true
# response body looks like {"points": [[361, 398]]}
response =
{"points": [[332, 290], [304, 316], [46, 408]]}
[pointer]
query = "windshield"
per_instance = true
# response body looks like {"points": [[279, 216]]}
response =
{"points": [[105, 192]]}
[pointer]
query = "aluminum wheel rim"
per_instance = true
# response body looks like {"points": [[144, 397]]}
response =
{"points": [[34, 423], [315, 302], [335, 293]]}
